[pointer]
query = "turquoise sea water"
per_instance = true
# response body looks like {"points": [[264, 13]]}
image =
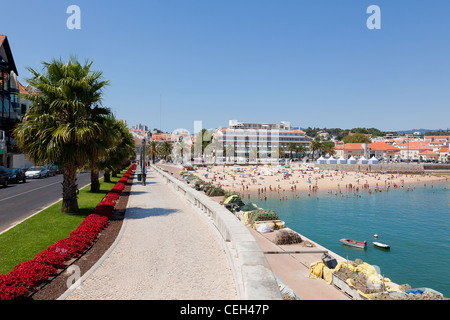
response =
{"points": [[415, 223]]}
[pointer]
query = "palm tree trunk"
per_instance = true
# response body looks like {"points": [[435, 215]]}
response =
{"points": [[107, 175], [70, 188], [95, 184]]}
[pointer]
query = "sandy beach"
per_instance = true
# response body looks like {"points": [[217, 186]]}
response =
{"points": [[269, 179]]}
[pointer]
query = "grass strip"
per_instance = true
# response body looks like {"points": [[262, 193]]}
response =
{"points": [[37, 233]]}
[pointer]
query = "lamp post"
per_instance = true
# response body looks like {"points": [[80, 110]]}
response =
{"points": [[143, 162]]}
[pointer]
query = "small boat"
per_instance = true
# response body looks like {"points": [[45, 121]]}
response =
{"points": [[381, 245], [354, 243]]}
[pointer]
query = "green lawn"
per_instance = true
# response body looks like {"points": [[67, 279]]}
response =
{"points": [[37, 233]]}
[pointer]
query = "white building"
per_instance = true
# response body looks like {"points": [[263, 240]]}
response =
{"points": [[257, 142]]}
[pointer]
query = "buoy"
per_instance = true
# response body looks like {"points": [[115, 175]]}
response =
{"points": [[375, 235]]}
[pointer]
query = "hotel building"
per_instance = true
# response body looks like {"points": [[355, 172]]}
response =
{"points": [[256, 142]]}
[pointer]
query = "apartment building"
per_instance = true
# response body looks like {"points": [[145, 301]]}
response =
{"points": [[244, 142]]}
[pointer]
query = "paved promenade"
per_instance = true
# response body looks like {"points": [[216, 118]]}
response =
{"points": [[165, 251]]}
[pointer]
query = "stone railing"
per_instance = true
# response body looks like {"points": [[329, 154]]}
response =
{"points": [[382, 167], [386, 167], [252, 273]]}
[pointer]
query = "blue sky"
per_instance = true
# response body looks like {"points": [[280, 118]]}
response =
{"points": [[314, 63]]}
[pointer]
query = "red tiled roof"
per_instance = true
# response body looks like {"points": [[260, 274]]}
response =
{"points": [[428, 151], [25, 89], [382, 146], [349, 146]]}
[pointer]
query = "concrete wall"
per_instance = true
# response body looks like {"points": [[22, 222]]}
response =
{"points": [[253, 275], [388, 167]]}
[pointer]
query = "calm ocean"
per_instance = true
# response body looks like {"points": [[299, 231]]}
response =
{"points": [[415, 223]]}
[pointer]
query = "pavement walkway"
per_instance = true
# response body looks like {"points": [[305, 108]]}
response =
{"points": [[164, 251], [292, 269]]}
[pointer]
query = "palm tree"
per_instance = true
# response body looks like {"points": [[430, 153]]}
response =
{"points": [[301, 150], [181, 151], [279, 152], [315, 146], [291, 147], [229, 151], [328, 147], [98, 147], [166, 149], [122, 150], [59, 125], [153, 150]]}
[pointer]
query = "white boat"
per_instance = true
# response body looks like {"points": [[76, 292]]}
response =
{"points": [[381, 245]]}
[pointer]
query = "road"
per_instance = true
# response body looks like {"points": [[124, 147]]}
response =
{"points": [[19, 201]]}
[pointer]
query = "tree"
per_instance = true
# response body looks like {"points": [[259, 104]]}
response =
{"points": [[328, 147], [153, 149], [356, 138], [202, 140], [301, 150], [122, 149], [98, 147], [59, 126], [291, 147], [166, 149], [315, 146]]}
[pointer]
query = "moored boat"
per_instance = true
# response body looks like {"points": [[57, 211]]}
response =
{"points": [[354, 243], [381, 245]]}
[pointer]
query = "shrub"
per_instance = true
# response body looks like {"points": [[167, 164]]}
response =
{"points": [[29, 274]]}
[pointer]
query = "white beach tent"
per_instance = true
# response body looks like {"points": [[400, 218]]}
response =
{"points": [[351, 160], [373, 160], [321, 160], [341, 160], [363, 160], [331, 160]]}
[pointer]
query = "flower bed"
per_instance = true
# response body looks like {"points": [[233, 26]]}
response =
{"points": [[28, 275]]}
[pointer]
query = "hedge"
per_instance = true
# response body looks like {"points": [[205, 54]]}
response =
{"points": [[28, 275]]}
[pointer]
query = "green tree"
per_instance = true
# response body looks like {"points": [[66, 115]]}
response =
{"points": [[301, 150], [356, 138], [153, 150], [166, 149], [291, 147], [98, 147], [327, 147], [315, 146], [120, 152], [59, 126]]}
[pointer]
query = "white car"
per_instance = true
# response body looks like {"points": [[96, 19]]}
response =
{"points": [[36, 172]]}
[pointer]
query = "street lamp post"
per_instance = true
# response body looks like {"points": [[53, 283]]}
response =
{"points": [[143, 163]]}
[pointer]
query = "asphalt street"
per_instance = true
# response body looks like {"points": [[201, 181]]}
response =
{"points": [[19, 201]]}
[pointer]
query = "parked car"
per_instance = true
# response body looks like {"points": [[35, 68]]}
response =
{"points": [[53, 170], [16, 175], [36, 172], [4, 176]]}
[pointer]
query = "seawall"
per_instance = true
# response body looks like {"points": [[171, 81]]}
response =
{"points": [[253, 275], [387, 167]]}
